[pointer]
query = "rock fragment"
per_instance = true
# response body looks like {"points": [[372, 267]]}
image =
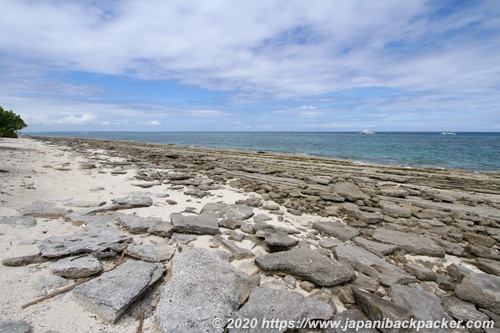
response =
{"points": [[203, 224], [411, 243], [76, 267]]}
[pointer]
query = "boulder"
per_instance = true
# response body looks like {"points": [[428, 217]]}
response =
{"points": [[411, 243], [336, 229], [76, 267], [203, 287], [203, 224], [112, 293], [308, 265], [480, 289], [84, 242], [281, 306], [368, 263]]}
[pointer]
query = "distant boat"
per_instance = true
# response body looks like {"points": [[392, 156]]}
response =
{"points": [[448, 133], [366, 132]]}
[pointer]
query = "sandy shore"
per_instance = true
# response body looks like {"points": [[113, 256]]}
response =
{"points": [[296, 192]]}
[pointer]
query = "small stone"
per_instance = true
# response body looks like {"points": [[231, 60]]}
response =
{"points": [[76, 267]]}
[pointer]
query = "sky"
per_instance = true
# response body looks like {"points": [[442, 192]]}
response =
{"points": [[260, 65]]}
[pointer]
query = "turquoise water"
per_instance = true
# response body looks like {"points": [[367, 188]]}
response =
{"points": [[469, 151]]}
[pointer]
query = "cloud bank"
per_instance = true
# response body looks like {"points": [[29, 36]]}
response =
{"points": [[258, 65]]}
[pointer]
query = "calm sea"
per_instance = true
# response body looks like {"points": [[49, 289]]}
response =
{"points": [[469, 151]]}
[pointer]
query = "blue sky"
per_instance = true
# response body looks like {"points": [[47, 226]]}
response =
{"points": [[263, 65]]}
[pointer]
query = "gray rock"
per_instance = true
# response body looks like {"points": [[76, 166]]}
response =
{"points": [[377, 308], [161, 228], [277, 240], [24, 260], [222, 210], [202, 287], [151, 252], [265, 305], [422, 304], [203, 224], [366, 282], [322, 180], [334, 197], [197, 193], [482, 290], [411, 243], [395, 192], [136, 224], [380, 249], [43, 209], [479, 239], [346, 319], [488, 266], [350, 191], [461, 310], [15, 326], [420, 272], [231, 224], [450, 248], [84, 242], [329, 243], [25, 221], [237, 251], [307, 264], [394, 210], [370, 264], [76, 267], [126, 203], [78, 218], [111, 294], [85, 204], [336, 229]]}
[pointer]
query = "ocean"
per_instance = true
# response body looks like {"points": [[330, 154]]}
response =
{"points": [[464, 151]]}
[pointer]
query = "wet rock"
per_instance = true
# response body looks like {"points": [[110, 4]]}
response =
{"points": [[25, 221], [308, 265], [423, 305], [420, 272], [237, 251], [203, 224], [202, 287], [350, 191], [43, 209], [394, 210], [15, 326], [161, 228], [411, 243], [277, 240], [151, 252], [24, 260], [136, 224], [380, 249], [265, 304], [370, 264], [336, 229], [377, 308], [463, 311], [480, 289], [84, 242], [112, 293], [76, 267]]}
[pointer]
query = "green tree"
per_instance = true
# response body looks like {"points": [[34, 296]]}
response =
{"points": [[10, 123]]}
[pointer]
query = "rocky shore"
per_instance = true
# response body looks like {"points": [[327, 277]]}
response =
{"points": [[174, 239]]}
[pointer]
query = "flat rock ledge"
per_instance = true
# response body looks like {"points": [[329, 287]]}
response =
{"points": [[308, 265], [112, 293], [202, 287]]}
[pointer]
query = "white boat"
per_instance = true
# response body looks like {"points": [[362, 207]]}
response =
{"points": [[366, 132], [448, 133]]}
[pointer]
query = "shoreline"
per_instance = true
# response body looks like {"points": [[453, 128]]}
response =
{"points": [[427, 230], [382, 162]]}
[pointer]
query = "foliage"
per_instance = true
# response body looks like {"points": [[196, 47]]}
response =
{"points": [[10, 123]]}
